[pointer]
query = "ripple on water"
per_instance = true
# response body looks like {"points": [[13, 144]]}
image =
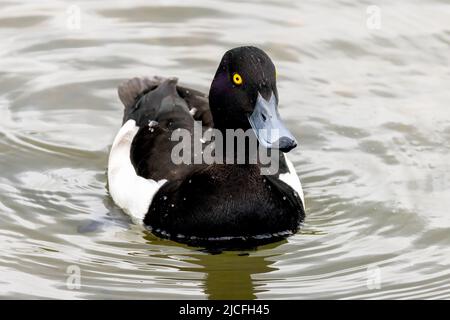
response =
{"points": [[370, 108]]}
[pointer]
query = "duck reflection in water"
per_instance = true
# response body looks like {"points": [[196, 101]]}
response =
{"points": [[229, 275]]}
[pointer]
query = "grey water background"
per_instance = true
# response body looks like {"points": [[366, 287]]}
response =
{"points": [[370, 108]]}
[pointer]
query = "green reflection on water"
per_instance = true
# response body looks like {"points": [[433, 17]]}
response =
{"points": [[228, 275]]}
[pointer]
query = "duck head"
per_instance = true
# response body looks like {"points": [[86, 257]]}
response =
{"points": [[244, 95]]}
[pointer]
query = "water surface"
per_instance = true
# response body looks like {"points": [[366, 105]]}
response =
{"points": [[370, 108]]}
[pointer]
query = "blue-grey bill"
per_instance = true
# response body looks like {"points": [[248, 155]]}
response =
{"points": [[269, 129]]}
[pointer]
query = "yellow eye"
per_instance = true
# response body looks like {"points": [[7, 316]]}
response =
{"points": [[237, 79]]}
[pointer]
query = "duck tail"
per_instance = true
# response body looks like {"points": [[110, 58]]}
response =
{"points": [[131, 90]]}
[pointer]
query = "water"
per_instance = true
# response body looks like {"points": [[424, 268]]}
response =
{"points": [[370, 108]]}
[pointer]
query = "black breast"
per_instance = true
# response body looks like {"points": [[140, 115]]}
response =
{"points": [[224, 203]]}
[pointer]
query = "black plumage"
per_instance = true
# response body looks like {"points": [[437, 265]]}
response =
{"points": [[229, 204]]}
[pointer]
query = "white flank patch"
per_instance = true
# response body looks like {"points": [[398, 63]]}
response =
{"points": [[132, 193], [291, 178]]}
